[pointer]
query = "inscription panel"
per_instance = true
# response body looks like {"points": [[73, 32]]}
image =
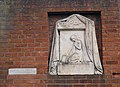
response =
{"points": [[20, 71]]}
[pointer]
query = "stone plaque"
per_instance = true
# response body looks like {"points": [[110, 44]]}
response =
{"points": [[20, 71], [74, 47]]}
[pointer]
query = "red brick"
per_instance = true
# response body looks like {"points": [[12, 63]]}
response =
{"points": [[112, 62], [79, 86], [28, 54], [86, 81], [92, 85], [25, 63], [10, 85], [39, 85], [28, 32], [27, 58], [19, 54], [21, 77], [42, 49], [44, 44], [15, 50], [13, 36], [15, 41], [44, 27], [28, 40], [72, 81], [43, 58], [27, 49], [33, 44], [26, 85], [15, 59], [42, 40], [16, 32], [21, 45], [3, 72]]}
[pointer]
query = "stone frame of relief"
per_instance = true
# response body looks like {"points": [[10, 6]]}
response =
{"points": [[74, 48]]}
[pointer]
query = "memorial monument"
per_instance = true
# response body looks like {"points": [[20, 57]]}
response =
{"points": [[74, 48]]}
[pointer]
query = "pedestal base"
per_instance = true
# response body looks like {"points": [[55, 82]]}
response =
{"points": [[76, 69]]}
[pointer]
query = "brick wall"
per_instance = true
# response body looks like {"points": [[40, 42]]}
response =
{"points": [[25, 39]]}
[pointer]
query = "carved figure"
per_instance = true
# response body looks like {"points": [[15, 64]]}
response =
{"points": [[75, 53]]}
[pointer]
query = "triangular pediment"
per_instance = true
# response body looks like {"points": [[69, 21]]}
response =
{"points": [[71, 22]]}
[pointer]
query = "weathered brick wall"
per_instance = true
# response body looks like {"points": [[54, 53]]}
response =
{"points": [[25, 39]]}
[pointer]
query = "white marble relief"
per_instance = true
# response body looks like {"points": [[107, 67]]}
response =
{"points": [[74, 47]]}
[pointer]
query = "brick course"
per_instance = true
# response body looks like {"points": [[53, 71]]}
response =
{"points": [[25, 39]]}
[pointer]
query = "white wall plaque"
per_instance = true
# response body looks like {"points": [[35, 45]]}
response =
{"points": [[20, 71], [74, 47]]}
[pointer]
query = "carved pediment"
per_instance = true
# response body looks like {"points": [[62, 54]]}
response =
{"points": [[71, 22]]}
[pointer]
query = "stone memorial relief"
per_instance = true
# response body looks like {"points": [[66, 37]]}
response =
{"points": [[74, 48]]}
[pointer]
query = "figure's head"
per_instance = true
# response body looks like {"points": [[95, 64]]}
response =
{"points": [[73, 38]]}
